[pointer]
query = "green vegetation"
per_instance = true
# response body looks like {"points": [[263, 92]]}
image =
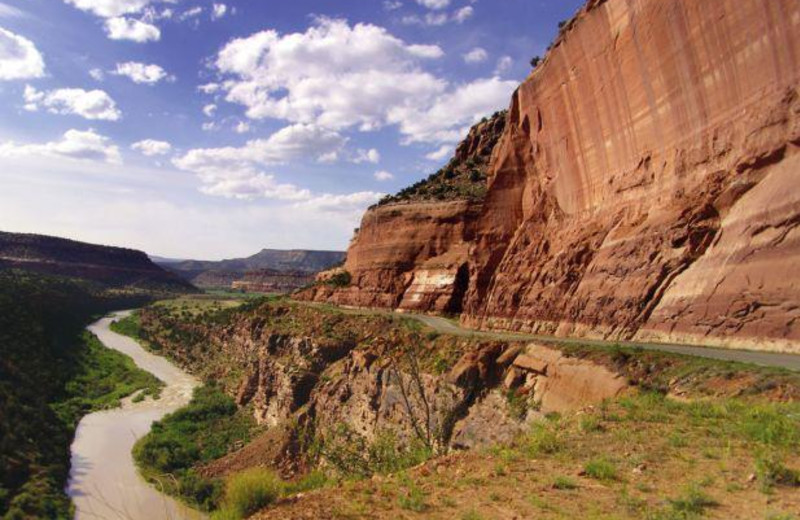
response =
{"points": [[350, 455], [128, 326], [103, 378], [562, 482], [601, 469], [204, 430], [340, 279], [460, 179], [249, 491], [51, 374]]}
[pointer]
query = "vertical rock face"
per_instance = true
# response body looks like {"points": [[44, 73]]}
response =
{"points": [[645, 184]]}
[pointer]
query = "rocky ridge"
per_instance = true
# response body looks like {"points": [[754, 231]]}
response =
{"points": [[113, 267]]}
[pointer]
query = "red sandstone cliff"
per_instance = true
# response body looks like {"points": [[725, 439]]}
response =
{"points": [[645, 185]]}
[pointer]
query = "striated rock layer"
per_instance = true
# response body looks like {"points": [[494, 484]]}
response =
{"points": [[645, 185]]}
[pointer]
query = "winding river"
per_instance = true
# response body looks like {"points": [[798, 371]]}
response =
{"points": [[103, 482]]}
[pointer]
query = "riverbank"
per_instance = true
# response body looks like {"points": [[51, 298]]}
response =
{"points": [[53, 372], [104, 482]]}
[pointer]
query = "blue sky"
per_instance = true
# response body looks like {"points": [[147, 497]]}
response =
{"points": [[200, 129]]}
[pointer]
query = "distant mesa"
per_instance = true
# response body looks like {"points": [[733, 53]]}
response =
{"points": [[111, 267], [269, 270]]}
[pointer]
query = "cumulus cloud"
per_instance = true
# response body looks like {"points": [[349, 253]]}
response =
{"points": [[367, 156], [209, 110], [235, 171], [449, 117], [110, 8], [152, 147], [332, 75], [149, 74], [97, 74], [74, 144], [350, 203], [504, 64], [434, 4], [476, 55], [121, 28], [383, 175], [191, 13], [442, 153], [89, 104], [209, 88], [242, 127], [339, 76], [19, 58], [392, 5], [218, 11], [463, 14]]}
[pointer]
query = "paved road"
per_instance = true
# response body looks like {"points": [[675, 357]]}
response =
{"points": [[772, 359], [446, 326]]}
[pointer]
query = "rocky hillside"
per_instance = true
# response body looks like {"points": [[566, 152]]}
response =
{"points": [[383, 414], [222, 274], [644, 186], [113, 267]]}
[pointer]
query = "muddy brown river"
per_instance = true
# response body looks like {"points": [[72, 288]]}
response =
{"points": [[103, 482]]}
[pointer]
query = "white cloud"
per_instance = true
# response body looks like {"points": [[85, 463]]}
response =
{"points": [[234, 171], [449, 117], [191, 13], [209, 110], [339, 76], [249, 185], [434, 4], [97, 74], [122, 28], [151, 147], [149, 74], [242, 127], [209, 88], [392, 5], [504, 64], [89, 104], [8, 11], [383, 175], [463, 14], [209, 126], [353, 204], [19, 58], [476, 55], [218, 11], [333, 75], [292, 142], [75, 144], [442, 153], [110, 8], [369, 156]]}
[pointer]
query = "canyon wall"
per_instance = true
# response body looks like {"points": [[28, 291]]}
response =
{"points": [[645, 186]]}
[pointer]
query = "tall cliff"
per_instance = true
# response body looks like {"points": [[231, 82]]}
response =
{"points": [[645, 185]]}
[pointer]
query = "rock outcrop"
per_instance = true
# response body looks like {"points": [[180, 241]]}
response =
{"points": [[645, 186], [271, 281]]}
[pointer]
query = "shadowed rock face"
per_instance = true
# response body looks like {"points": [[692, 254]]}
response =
{"points": [[645, 185]]}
